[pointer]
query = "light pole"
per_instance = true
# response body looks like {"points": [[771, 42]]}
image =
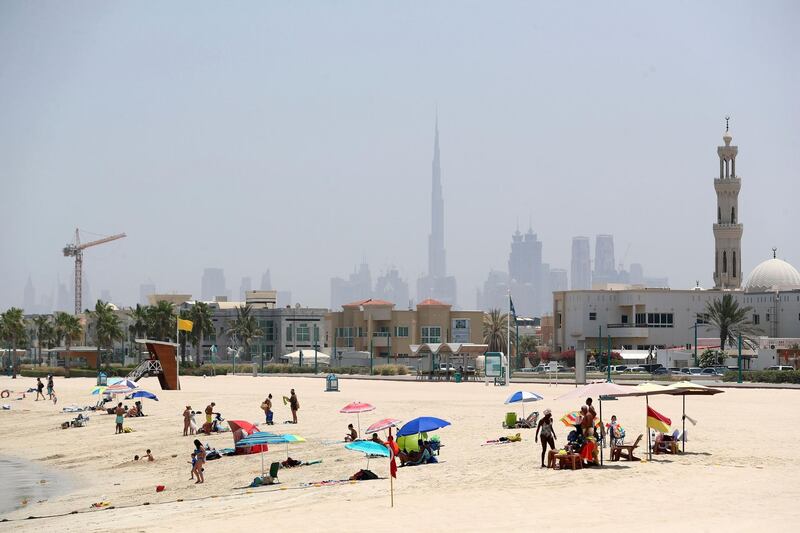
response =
{"points": [[739, 359], [608, 366], [316, 343], [695, 342]]}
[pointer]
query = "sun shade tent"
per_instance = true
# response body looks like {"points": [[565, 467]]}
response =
{"points": [[597, 390], [241, 429], [308, 357]]}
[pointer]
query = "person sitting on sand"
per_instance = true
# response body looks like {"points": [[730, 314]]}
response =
{"points": [[352, 434], [149, 456], [132, 412], [548, 434], [135, 457], [39, 389], [138, 405], [375, 438], [119, 413]]}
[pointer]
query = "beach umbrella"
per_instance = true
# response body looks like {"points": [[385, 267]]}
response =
{"points": [[687, 388], [124, 386], [144, 394], [357, 408], [523, 397], [369, 448], [386, 423], [262, 443], [263, 437], [601, 389], [99, 389], [421, 425]]}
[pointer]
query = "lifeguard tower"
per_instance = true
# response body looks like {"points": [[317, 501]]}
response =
{"points": [[162, 362]]}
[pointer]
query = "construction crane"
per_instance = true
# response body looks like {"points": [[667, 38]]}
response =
{"points": [[76, 250]]}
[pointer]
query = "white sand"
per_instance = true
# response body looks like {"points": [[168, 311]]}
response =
{"points": [[726, 481]]}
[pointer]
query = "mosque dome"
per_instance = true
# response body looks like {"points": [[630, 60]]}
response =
{"points": [[773, 275]]}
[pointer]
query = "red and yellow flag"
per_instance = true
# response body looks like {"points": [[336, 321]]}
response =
{"points": [[657, 421], [185, 325]]}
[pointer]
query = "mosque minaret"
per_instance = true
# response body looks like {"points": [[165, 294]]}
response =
{"points": [[727, 230]]}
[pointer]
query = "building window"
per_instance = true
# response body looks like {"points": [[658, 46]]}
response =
{"points": [[592, 316], [733, 215], [719, 215], [702, 318], [641, 319], [360, 332], [767, 317], [269, 330], [401, 331], [289, 333], [724, 262], [431, 334], [733, 264], [756, 319], [624, 319], [659, 320], [303, 334]]}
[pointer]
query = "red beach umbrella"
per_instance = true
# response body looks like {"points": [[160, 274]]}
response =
{"points": [[357, 408]]}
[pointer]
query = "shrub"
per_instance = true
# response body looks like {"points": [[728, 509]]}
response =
{"points": [[765, 376]]}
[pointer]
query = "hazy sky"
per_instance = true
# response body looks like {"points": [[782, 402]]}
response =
{"points": [[298, 136]]}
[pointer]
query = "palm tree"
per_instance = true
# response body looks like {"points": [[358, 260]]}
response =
{"points": [[138, 327], [161, 320], [12, 327], [200, 315], [495, 331], [245, 327], [69, 327], [41, 323], [107, 329], [731, 320]]}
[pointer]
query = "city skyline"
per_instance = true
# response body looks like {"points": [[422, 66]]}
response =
{"points": [[116, 121]]}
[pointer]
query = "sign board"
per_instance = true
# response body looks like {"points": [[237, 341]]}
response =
{"points": [[494, 364], [460, 330]]}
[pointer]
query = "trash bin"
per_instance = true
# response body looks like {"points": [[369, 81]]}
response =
{"points": [[102, 379], [331, 383], [458, 377]]}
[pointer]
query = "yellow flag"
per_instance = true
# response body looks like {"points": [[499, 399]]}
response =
{"points": [[185, 325]]}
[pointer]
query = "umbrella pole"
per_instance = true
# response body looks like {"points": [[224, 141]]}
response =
{"points": [[683, 424], [602, 428], [262, 462], [358, 417], [391, 480], [649, 447]]}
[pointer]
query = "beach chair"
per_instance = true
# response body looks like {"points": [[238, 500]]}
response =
{"points": [[619, 451], [510, 421], [529, 421], [273, 470]]}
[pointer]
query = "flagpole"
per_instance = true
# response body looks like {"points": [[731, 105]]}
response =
{"points": [[647, 427], [391, 478]]}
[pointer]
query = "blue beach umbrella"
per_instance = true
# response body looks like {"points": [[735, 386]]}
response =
{"points": [[369, 448], [421, 425], [523, 397], [144, 394]]}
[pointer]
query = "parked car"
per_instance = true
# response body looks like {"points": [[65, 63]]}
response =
{"points": [[652, 367], [685, 370], [721, 370], [632, 369], [446, 367], [674, 370], [695, 370], [591, 368], [780, 367], [661, 371], [710, 371], [528, 370], [619, 368]]}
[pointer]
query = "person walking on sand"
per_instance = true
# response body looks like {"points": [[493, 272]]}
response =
{"points": [[50, 388], [547, 434], [120, 417], [187, 418], [200, 459], [267, 407], [39, 389]]}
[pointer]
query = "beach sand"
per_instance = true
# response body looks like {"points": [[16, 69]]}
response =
{"points": [[738, 473]]}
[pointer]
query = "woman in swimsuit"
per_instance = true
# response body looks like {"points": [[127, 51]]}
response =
{"points": [[200, 459], [548, 434]]}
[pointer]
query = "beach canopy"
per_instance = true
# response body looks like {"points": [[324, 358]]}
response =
{"points": [[597, 390], [368, 448], [144, 394], [386, 423], [422, 425]]}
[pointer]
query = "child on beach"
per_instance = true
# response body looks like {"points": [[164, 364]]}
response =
{"points": [[119, 412], [352, 434], [149, 456]]}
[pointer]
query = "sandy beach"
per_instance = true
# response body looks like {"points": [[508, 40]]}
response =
{"points": [[734, 476]]}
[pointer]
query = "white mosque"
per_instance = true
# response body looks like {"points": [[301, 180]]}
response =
{"points": [[642, 318]]}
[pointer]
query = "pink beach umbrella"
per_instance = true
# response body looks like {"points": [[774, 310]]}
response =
{"points": [[386, 423], [357, 408]]}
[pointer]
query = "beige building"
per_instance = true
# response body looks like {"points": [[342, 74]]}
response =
{"points": [[376, 326]]}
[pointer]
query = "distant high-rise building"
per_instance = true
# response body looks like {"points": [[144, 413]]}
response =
{"points": [[558, 281], [392, 288], [63, 299], [636, 275], [212, 284], [358, 286], [245, 286], [437, 284], [494, 294], [266, 281], [525, 272], [581, 274], [604, 265], [29, 297], [145, 290]]}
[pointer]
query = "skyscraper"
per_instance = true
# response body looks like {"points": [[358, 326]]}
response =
{"points": [[266, 281], [391, 287], [558, 281], [212, 284], [604, 271], [727, 231], [525, 272], [437, 284], [245, 286], [358, 286], [29, 297], [581, 267]]}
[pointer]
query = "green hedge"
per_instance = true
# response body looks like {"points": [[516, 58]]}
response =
{"points": [[765, 376]]}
